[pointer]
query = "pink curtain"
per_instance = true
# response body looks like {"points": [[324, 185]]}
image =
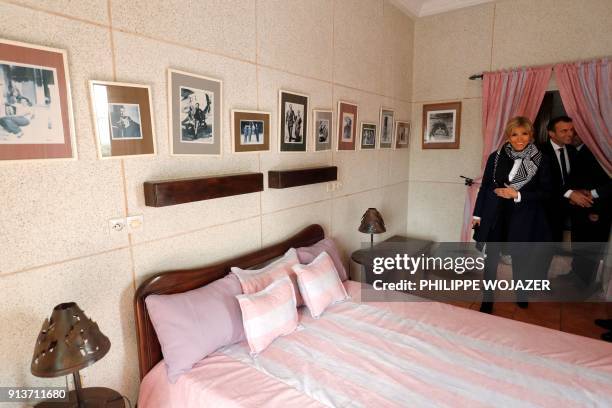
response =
{"points": [[586, 92], [505, 94]]}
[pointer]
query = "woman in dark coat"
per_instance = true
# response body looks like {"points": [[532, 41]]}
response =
{"points": [[511, 205]]}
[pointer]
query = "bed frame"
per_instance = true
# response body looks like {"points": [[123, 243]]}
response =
{"points": [[166, 283]]}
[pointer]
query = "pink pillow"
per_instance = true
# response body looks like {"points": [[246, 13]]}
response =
{"points": [[254, 280], [193, 324], [308, 254], [268, 314], [320, 284]]}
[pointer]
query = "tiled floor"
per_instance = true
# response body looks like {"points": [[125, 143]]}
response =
{"points": [[576, 318]]}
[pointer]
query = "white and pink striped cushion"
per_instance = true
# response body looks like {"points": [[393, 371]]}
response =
{"points": [[254, 280], [268, 314], [320, 284]]}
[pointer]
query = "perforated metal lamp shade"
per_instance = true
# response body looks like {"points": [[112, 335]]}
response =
{"points": [[68, 341], [372, 222]]}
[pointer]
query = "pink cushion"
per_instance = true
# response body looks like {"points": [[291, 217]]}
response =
{"points": [[254, 280], [268, 314], [319, 284], [308, 254], [193, 324]]}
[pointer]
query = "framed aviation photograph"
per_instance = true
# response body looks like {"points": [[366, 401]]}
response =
{"points": [[402, 134], [36, 119], [347, 125], [250, 131], [292, 121], [368, 136], [122, 118], [387, 117], [195, 106], [441, 125], [322, 130]]}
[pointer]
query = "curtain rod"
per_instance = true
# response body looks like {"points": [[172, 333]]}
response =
{"points": [[480, 76]]}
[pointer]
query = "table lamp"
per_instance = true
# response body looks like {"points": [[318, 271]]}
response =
{"points": [[372, 223], [68, 342]]}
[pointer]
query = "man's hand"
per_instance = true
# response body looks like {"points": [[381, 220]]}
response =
{"points": [[507, 192], [475, 223], [581, 199]]}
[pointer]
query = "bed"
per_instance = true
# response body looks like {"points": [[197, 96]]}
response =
{"points": [[387, 354]]}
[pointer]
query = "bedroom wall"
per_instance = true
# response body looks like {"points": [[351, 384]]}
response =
{"points": [[452, 46], [56, 244]]}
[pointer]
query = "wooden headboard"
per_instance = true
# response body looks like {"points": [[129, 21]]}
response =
{"points": [[166, 283]]}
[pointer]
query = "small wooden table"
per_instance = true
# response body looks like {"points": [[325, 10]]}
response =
{"points": [[389, 247]]}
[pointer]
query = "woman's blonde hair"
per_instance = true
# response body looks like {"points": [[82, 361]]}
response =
{"points": [[518, 121]]}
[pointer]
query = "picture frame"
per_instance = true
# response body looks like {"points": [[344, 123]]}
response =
{"points": [[292, 121], [116, 108], [246, 128], [402, 134], [347, 125], [195, 106], [368, 136], [387, 119], [322, 129], [36, 117], [441, 125]]}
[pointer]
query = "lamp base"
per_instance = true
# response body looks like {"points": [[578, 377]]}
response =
{"points": [[92, 397]]}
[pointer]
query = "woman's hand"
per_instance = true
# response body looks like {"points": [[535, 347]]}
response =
{"points": [[507, 192]]}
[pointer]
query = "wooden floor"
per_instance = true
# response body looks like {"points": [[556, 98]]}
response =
{"points": [[576, 318]]}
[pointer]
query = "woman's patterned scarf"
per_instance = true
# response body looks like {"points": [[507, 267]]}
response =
{"points": [[531, 158]]}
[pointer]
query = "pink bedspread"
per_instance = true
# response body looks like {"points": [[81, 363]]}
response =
{"points": [[397, 354]]}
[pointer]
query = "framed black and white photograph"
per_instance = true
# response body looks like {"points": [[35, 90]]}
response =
{"points": [[293, 121], [36, 119], [347, 125], [441, 125], [402, 134], [250, 131], [195, 113], [123, 119], [387, 117], [368, 136], [322, 130]]}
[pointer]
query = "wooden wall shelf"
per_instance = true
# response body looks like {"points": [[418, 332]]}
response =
{"points": [[301, 177], [170, 192]]}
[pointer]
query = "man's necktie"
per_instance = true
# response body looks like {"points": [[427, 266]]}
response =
{"points": [[563, 164]]}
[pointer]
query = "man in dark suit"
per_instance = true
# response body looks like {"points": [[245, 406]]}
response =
{"points": [[591, 223], [561, 156]]}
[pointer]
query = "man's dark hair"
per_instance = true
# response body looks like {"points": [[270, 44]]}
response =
{"points": [[554, 121]]}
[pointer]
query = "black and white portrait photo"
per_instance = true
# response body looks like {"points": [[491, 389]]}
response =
{"points": [[124, 121], [386, 127], [322, 131], [197, 115], [347, 126], [30, 109], [294, 123], [368, 135], [441, 126], [402, 134], [252, 132]]}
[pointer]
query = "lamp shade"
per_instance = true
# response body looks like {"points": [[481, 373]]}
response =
{"points": [[372, 222], [68, 341]]}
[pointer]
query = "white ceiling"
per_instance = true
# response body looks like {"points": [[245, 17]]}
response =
{"points": [[421, 8]]}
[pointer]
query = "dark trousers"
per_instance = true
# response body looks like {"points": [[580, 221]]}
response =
{"points": [[526, 264], [589, 241]]}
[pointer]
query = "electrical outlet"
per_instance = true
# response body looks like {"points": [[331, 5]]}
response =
{"points": [[117, 224], [134, 222]]}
